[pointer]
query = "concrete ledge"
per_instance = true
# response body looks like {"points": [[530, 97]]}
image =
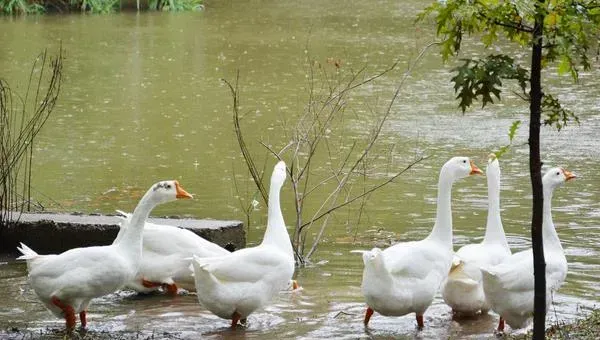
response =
{"points": [[55, 233]]}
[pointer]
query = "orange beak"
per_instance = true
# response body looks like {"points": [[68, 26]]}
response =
{"points": [[475, 170], [182, 193], [568, 175]]}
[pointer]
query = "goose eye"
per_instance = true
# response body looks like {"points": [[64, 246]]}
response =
{"points": [[168, 186], [464, 161], [557, 173]]}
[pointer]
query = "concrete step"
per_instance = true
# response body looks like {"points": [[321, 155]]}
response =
{"points": [[49, 233]]}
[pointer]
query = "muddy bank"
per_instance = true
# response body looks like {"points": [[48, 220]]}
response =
{"points": [[55, 233]]}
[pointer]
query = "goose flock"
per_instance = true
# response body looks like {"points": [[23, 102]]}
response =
{"points": [[401, 279]]}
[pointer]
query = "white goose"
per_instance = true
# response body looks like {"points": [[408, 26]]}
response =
{"points": [[463, 289], [65, 283], [509, 286], [165, 257], [405, 277], [235, 285]]}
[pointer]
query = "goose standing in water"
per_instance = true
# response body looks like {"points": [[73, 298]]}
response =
{"points": [[405, 277], [463, 289], [509, 286], [235, 285], [67, 282]]}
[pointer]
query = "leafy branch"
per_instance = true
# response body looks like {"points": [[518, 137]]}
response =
{"points": [[511, 135], [556, 114], [482, 78]]}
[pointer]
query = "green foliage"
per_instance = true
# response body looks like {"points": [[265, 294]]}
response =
{"points": [[20, 7], [571, 31], [98, 6], [176, 5], [91, 6], [555, 114], [454, 18], [511, 135], [483, 78], [571, 28]]}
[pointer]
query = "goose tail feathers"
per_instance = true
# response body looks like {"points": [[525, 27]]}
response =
{"points": [[27, 252]]}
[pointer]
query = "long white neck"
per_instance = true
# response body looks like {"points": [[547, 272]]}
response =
{"points": [[494, 231], [549, 234], [276, 233], [130, 238], [442, 230]]}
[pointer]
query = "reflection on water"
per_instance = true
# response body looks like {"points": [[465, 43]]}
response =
{"points": [[143, 100]]}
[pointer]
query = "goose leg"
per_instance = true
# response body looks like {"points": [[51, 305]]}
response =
{"points": [[500, 325], [235, 317], [150, 284], [170, 288], [68, 311], [295, 285], [368, 315], [420, 323], [83, 319]]}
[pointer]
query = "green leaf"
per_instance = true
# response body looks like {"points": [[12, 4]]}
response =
{"points": [[501, 151], [480, 79], [565, 65], [511, 135], [555, 114], [513, 130]]}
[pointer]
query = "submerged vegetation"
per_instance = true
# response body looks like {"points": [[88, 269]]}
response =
{"points": [[20, 7]]}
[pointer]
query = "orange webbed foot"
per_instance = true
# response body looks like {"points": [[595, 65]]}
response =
{"points": [[68, 312], [420, 323], [368, 315], [171, 289], [83, 319]]}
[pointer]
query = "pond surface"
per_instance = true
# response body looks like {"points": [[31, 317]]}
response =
{"points": [[143, 101]]}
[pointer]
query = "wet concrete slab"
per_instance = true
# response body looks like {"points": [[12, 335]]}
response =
{"points": [[49, 233]]}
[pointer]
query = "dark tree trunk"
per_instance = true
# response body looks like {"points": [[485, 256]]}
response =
{"points": [[535, 167]]}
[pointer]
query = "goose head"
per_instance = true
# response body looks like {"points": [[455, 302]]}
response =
{"points": [[167, 191], [279, 175], [460, 167], [493, 167], [556, 177]]}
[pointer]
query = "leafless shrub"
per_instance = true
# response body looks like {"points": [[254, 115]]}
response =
{"points": [[21, 119], [319, 160]]}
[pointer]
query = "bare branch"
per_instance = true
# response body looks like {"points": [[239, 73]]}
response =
{"points": [[238, 132], [318, 215], [389, 180]]}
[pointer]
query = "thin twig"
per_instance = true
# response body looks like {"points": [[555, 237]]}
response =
{"points": [[365, 152], [238, 132], [391, 179]]}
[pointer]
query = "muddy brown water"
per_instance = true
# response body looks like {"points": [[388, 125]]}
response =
{"points": [[142, 101]]}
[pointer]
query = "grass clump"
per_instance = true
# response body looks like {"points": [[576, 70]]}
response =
{"points": [[587, 328]]}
